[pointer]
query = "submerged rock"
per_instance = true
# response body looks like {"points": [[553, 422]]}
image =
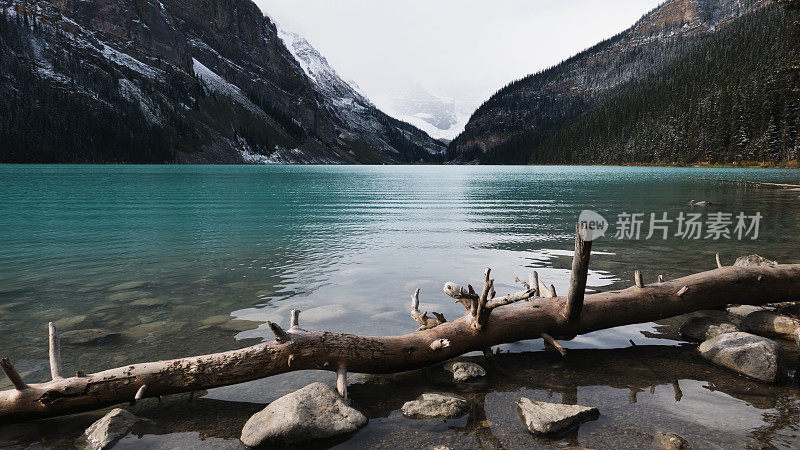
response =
{"points": [[126, 295], [154, 329], [240, 325], [69, 322], [314, 412], [552, 418], [87, 337], [750, 355], [465, 371], [771, 324], [325, 312], [429, 406], [147, 303], [701, 329], [670, 441], [216, 320], [110, 428], [127, 286]]}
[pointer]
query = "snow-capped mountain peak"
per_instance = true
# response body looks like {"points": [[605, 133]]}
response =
{"points": [[317, 68], [360, 119]]}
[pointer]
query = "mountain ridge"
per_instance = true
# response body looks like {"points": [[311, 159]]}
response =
{"points": [[544, 117], [190, 81]]}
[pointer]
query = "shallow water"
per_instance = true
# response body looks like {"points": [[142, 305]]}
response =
{"points": [[183, 260]]}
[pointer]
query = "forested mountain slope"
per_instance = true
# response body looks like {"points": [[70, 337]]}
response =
{"points": [[693, 81], [174, 81]]}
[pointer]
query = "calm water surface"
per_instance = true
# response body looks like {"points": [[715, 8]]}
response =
{"points": [[182, 260]]}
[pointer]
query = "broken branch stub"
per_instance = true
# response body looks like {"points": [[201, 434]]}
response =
{"points": [[422, 318], [280, 335], [580, 272], [637, 279], [479, 311], [12, 374], [460, 294], [55, 351]]}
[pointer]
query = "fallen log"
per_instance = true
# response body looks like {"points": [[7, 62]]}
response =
{"points": [[489, 321]]}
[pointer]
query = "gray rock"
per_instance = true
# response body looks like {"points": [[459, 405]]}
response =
{"points": [[771, 324], [754, 356], [552, 418], [110, 428], [701, 329], [464, 371], [87, 337], [314, 412], [670, 441], [745, 310], [429, 406], [754, 261]]}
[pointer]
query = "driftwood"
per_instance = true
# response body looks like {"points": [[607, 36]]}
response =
{"points": [[488, 321]]}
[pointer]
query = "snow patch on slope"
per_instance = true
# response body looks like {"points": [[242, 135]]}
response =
{"points": [[419, 121], [321, 73], [130, 91], [218, 84], [124, 59], [281, 156]]}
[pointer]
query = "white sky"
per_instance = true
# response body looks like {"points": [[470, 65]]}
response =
{"points": [[463, 49]]}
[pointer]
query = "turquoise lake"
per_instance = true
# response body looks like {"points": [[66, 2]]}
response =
{"points": [[183, 260]]}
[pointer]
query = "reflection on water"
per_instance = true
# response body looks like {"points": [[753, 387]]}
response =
{"points": [[184, 260]]}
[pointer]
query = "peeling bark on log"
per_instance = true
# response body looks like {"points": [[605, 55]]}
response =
{"points": [[302, 350]]}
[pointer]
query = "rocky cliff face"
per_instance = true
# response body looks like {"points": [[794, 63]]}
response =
{"points": [[176, 80], [359, 121], [533, 108]]}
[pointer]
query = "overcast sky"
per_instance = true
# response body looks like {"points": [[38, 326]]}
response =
{"points": [[464, 49]]}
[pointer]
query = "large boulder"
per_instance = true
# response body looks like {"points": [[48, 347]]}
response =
{"points": [[429, 406], [771, 324], [543, 418], [312, 413], [701, 329], [750, 355], [110, 428], [465, 371]]}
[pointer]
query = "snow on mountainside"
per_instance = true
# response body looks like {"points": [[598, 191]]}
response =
{"points": [[317, 68], [439, 116], [363, 120], [190, 81]]}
